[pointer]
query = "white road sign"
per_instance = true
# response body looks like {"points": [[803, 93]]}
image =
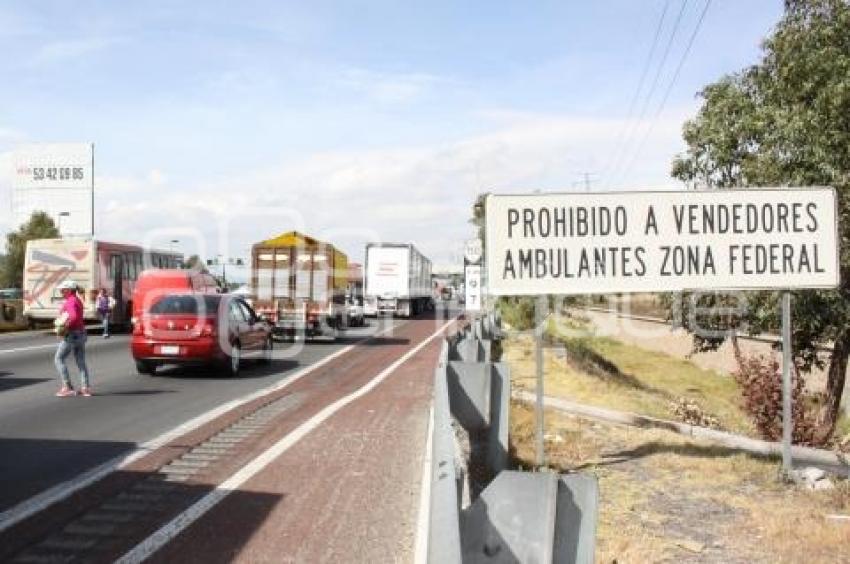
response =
{"points": [[472, 287], [661, 241], [472, 251], [52, 165]]}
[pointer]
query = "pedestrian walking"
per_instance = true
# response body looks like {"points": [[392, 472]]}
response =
{"points": [[103, 304], [71, 328]]}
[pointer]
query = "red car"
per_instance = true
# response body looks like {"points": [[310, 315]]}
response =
{"points": [[192, 329], [156, 282]]}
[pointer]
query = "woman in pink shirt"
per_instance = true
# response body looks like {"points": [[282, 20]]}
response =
{"points": [[73, 340]]}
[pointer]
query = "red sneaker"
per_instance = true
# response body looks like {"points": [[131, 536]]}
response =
{"points": [[65, 392], [86, 392]]}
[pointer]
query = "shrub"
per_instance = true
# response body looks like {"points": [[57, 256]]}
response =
{"points": [[760, 380]]}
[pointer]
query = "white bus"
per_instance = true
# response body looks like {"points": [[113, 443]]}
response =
{"points": [[93, 265]]}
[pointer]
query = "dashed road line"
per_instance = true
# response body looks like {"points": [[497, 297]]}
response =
{"points": [[64, 490]]}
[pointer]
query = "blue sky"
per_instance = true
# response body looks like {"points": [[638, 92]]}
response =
{"points": [[354, 119]]}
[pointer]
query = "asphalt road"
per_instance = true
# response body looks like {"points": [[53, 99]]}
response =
{"points": [[45, 440]]}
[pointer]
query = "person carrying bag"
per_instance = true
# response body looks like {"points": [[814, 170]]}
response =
{"points": [[71, 329]]}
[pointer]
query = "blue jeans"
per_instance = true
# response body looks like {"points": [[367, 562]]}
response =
{"points": [[74, 341], [104, 316]]}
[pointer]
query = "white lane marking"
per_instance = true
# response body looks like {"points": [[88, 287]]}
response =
{"points": [[32, 348], [161, 537], [420, 554], [64, 490], [52, 345]]}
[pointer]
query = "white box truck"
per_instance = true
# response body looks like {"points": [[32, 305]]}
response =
{"points": [[398, 280]]}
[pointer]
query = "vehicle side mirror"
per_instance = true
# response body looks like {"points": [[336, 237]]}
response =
{"points": [[262, 318]]}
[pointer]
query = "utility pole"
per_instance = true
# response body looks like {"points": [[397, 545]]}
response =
{"points": [[587, 180]]}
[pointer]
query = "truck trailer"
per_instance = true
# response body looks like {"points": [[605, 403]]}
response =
{"points": [[398, 280], [300, 285]]}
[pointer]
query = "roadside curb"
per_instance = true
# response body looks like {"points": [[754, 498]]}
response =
{"points": [[834, 462]]}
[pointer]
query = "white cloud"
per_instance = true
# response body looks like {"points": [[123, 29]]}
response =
{"points": [[388, 88], [5, 194], [157, 178], [57, 51], [420, 194]]}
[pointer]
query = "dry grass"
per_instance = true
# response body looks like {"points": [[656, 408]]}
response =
{"points": [[645, 382], [570, 444], [664, 497]]}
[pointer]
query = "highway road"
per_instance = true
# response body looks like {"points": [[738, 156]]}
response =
{"points": [[45, 440], [317, 457]]}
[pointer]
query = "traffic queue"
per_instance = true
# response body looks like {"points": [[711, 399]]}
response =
{"points": [[300, 288]]}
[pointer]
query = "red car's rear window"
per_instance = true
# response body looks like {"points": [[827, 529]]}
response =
{"points": [[186, 304]]}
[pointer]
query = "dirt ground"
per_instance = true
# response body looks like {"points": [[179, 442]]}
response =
{"points": [[664, 498]]}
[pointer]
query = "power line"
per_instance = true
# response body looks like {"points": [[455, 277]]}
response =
{"points": [[669, 89], [655, 80], [643, 74]]}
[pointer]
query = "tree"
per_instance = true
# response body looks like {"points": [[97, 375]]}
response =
{"points": [[39, 226], [786, 121], [194, 262]]}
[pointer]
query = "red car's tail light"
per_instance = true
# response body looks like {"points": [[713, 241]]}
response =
{"points": [[141, 326], [205, 328]]}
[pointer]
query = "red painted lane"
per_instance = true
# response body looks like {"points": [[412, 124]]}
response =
{"points": [[349, 491], [321, 387]]}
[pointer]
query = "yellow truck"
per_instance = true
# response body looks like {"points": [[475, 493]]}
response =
{"points": [[299, 285]]}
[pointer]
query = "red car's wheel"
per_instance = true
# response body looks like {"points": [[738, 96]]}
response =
{"points": [[268, 350], [233, 361]]}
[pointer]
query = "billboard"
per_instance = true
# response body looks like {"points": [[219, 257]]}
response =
{"points": [[57, 178], [767, 238]]}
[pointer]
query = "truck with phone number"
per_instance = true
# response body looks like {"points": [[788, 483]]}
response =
{"points": [[398, 280], [300, 285]]}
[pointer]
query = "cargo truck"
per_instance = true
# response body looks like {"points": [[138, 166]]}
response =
{"points": [[398, 280], [300, 285]]}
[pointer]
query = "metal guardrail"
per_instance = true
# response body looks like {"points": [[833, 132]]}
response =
{"points": [[481, 512]]}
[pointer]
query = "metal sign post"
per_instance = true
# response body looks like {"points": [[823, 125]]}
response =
{"points": [[745, 239], [539, 322], [787, 416]]}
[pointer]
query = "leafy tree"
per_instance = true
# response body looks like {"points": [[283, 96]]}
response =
{"points": [[785, 121], [194, 262], [39, 226]]}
